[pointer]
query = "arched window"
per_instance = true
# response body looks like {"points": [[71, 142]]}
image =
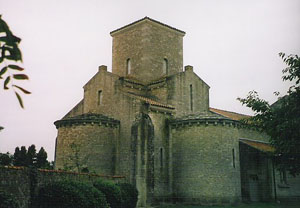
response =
{"points": [[165, 66], [99, 97], [128, 66]]}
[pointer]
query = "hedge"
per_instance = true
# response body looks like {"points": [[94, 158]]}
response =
{"points": [[111, 191], [7, 200], [129, 195], [63, 194]]}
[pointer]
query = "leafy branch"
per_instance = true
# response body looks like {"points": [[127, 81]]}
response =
{"points": [[10, 52]]}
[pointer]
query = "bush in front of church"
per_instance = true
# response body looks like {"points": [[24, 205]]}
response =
{"points": [[111, 191], [7, 200], [63, 194], [129, 195]]}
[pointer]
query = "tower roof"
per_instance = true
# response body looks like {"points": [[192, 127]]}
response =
{"points": [[143, 20]]}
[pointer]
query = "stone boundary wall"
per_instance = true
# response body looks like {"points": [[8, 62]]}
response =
{"points": [[23, 183]]}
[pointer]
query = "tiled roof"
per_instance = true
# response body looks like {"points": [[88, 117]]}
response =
{"points": [[151, 101], [202, 115], [228, 114], [147, 18], [261, 146], [87, 118]]}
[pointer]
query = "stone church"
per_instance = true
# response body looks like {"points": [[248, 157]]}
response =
{"points": [[150, 121]]}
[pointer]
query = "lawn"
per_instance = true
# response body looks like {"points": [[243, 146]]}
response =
{"points": [[256, 205]]}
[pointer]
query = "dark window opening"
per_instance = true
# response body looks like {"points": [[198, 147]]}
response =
{"points": [[233, 158], [99, 97], [191, 97], [165, 67], [161, 158], [128, 66]]}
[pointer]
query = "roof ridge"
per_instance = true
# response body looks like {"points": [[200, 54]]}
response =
{"points": [[146, 18]]}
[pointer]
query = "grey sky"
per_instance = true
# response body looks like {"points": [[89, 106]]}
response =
{"points": [[232, 44]]}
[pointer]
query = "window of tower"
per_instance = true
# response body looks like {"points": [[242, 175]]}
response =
{"points": [[128, 66], [165, 66], [161, 157], [99, 97], [191, 97]]}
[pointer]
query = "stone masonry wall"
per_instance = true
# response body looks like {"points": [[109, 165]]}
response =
{"points": [[162, 186], [94, 144], [23, 183], [179, 94], [203, 161], [147, 44], [206, 159]]}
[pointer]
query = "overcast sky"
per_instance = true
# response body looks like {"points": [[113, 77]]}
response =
{"points": [[232, 44]]}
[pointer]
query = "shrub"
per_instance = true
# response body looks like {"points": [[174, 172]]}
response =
{"points": [[7, 200], [111, 191], [63, 194], [129, 195]]}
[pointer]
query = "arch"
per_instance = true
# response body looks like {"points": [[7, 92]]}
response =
{"points": [[142, 149], [128, 66]]}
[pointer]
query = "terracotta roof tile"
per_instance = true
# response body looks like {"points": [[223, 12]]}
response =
{"points": [[151, 101], [261, 146], [228, 114]]}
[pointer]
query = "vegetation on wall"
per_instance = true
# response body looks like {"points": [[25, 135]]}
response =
{"points": [[74, 161], [281, 120]]}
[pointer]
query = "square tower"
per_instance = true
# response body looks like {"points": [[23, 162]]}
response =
{"points": [[147, 50]]}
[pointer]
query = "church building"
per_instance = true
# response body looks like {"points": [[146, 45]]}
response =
{"points": [[149, 120]]}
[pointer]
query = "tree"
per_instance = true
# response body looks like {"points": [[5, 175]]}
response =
{"points": [[20, 156], [31, 156], [281, 120], [41, 159], [5, 159], [10, 54]]}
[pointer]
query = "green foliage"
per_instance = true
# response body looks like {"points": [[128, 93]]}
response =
{"points": [[129, 195], [20, 156], [281, 120], [30, 158], [41, 159], [75, 162], [111, 191], [5, 159], [65, 194], [7, 200], [10, 53]]}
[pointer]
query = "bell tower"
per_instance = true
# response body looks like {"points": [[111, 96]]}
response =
{"points": [[147, 50]]}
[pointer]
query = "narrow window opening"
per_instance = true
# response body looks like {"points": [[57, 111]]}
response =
{"points": [[99, 97], [283, 179], [191, 97], [161, 157], [165, 66], [233, 158], [128, 66]]}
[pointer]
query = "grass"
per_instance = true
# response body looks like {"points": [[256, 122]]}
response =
{"points": [[255, 205]]}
